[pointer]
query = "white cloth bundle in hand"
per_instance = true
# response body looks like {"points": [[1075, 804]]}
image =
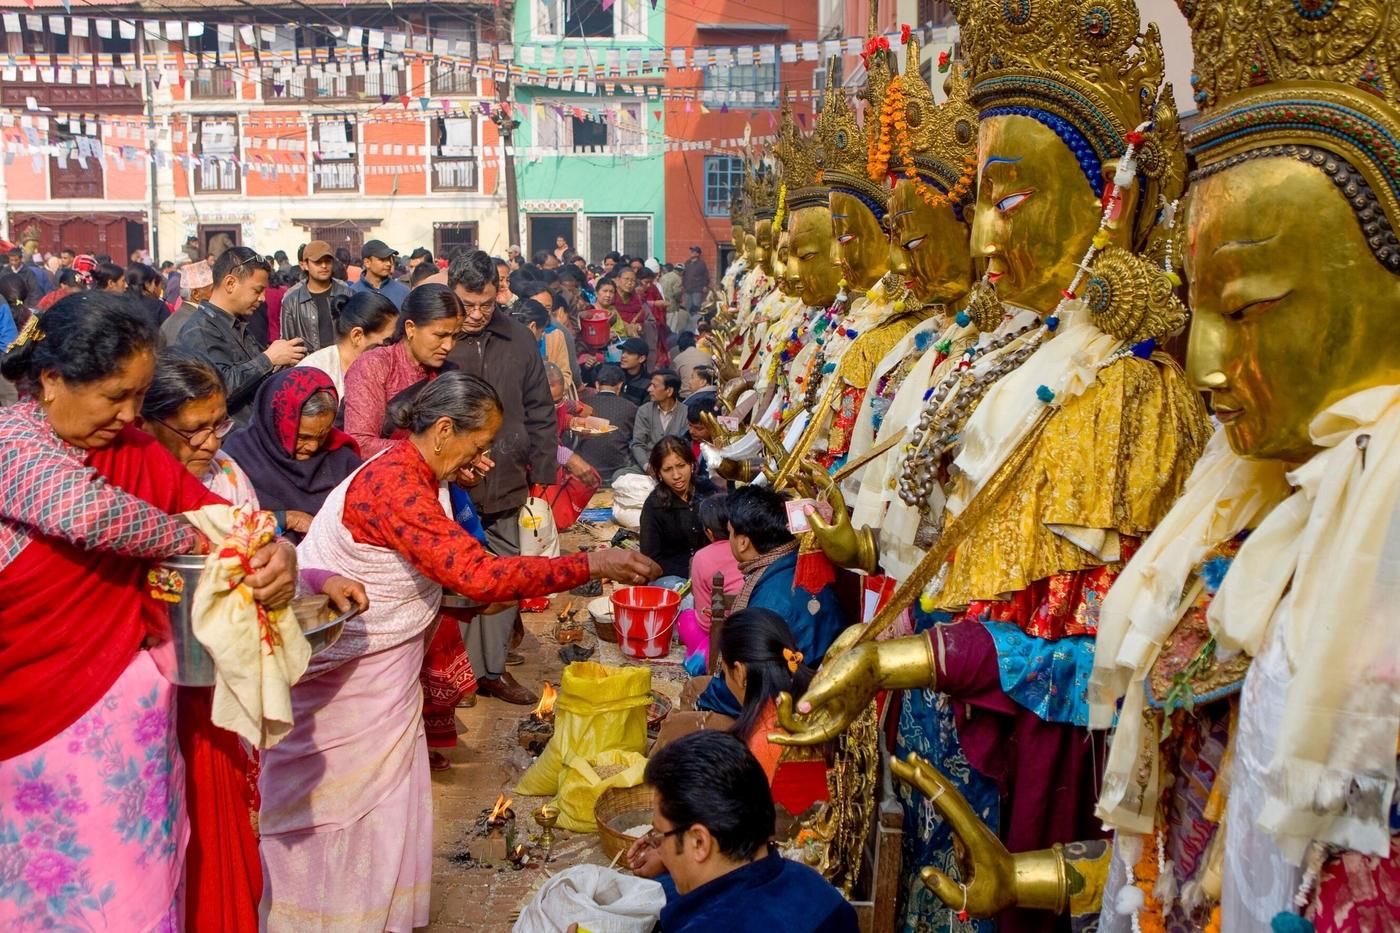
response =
{"points": [[597, 899], [258, 653]]}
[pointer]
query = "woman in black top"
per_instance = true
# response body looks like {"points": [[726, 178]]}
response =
{"points": [[670, 525]]}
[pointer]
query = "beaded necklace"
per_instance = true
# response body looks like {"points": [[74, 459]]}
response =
{"points": [[947, 411]]}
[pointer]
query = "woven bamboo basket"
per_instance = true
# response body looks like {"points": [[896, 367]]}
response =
{"points": [[619, 809]]}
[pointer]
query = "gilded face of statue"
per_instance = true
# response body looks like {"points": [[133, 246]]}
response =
{"points": [[864, 250], [1036, 213], [736, 237], [813, 257], [781, 262], [750, 249], [929, 247], [1288, 317], [763, 234]]}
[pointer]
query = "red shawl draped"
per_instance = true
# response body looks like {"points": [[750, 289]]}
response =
{"points": [[72, 620]]}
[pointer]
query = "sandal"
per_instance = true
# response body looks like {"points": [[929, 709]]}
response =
{"points": [[437, 761]]}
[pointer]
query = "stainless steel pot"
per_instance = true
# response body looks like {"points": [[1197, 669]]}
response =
{"points": [[193, 665]]}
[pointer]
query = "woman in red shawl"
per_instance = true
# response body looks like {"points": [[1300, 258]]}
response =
{"points": [[291, 449], [93, 820], [643, 319]]}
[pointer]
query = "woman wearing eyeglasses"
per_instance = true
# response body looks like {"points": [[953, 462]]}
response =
{"points": [[186, 409]]}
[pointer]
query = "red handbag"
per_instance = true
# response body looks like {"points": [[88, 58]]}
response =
{"points": [[569, 496]]}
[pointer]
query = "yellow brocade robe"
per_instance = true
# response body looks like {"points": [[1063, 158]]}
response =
{"points": [[1109, 463]]}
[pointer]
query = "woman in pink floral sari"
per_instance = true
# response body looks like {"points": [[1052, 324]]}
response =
{"points": [[93, 824]]}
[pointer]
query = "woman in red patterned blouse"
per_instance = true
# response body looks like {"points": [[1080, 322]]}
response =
{"points": [[346, 815]]}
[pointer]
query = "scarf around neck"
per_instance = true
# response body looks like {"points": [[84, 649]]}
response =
{"points": [[753, 572]]}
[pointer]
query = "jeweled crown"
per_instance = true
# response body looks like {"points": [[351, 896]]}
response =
{"points": [[840, 152], [760, 188], [797, 154], [1303, 79], [1081, 61], [943, 137]]}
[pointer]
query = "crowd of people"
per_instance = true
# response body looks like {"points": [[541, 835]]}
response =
{"points": [[340, 407]]}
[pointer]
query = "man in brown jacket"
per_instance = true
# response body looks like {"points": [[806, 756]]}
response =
{"points": [[504, 353]]}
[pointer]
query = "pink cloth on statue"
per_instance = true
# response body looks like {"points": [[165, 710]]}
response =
{"points": [[715, 557], [347, 809], [96, 816]]}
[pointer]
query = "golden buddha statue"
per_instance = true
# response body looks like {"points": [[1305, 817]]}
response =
{"points": [[740, 221], [930, 227], [1244, 650], [761, 194], [1045, 455], [852, 341]]}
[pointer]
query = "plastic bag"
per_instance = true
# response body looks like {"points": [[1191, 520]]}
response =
{"points": [[598, 899], [584, 780], [539, 537], [630, 491], [600, 709]]}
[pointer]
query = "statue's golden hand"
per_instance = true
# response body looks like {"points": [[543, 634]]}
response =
{"points": [[848, 680], [842, 689], [994, 878], [722, 435], [839, 539], [989, 869]]}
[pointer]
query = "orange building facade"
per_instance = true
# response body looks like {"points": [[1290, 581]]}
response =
{"points": [[253, 132]]}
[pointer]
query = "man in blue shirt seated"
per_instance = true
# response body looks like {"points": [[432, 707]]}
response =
{"points": [[767, 554], [712, 822]]}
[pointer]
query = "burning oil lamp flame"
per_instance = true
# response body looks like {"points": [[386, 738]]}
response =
{"points": [[545, 708], [501, 811]]}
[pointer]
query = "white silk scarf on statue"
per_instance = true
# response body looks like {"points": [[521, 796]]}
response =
{"points": [[1324, 562]]}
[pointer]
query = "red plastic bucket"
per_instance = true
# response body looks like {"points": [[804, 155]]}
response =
{"points": [[644, 617], [594, 329]]}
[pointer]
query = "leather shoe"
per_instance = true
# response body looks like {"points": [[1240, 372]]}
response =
{"points": [[514, 658], [505, 688]]}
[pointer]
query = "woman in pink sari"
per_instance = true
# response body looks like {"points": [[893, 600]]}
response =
{"points": [[346, 813], [93, 820]]}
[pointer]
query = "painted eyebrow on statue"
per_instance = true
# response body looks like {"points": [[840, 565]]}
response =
{"points": [[1000, 160], [1243, 244]]}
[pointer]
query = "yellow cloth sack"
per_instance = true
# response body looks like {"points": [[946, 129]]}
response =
{"points": [[583, 782], [600, 709]]}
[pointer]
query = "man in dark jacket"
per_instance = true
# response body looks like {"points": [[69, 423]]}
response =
{"points": [[218, 330], [711, 824], [636, 387], [695, 281], [610, 454], [504, 353], [308, 306]]}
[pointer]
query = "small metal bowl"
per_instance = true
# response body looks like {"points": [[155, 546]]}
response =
{"points": [[320, 626]]}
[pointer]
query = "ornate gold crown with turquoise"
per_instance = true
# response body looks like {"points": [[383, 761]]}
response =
{"points": [[1084, 69], [1313, 80], [840, 149], [943, 137], [760, 188], [844, 146], [801, 170]]}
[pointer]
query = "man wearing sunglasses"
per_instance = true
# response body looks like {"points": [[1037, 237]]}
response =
{"points": [[709, 846], [218, 331]]}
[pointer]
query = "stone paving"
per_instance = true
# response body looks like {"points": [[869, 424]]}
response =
{"points": [[487, 762]]}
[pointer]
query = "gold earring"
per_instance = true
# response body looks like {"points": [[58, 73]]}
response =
{"points": [[437, 448]]}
